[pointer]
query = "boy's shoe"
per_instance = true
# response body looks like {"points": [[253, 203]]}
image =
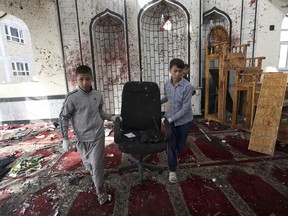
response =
{"points": [[104, 197], [173, 177]]}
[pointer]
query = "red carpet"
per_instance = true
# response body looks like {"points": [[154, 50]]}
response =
{"points": [[258, 194], [187, 156], [203, 197], [194, 128], [51, 193], [213, 150], [241, 146], [112, 156], [46, 153], [4, 196], [281, 175], [43, 137], [150, 200], [16, 153], [40, 202], [86, 203], [69, 161]]}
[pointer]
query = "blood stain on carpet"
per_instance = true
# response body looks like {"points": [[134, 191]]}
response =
{"points": [[203, 197], [69, 161], [213, 150], [151, 199], [86, 203], [261, 197], [40, 202]]}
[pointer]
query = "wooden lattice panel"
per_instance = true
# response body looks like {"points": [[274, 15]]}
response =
{"points": [[268, 113]]}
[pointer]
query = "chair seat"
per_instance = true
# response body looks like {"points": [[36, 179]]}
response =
{"points": [[138, 144], [141, 148]]}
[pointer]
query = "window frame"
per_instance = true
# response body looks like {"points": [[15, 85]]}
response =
{"points": [[20, 69], [12, 37], [282, 44]]}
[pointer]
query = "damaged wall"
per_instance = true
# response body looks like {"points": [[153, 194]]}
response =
{"points": [[78, 26], [76, 18]]}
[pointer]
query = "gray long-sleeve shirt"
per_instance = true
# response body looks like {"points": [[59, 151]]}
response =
{"points": [[179, 101], [85, 111]]}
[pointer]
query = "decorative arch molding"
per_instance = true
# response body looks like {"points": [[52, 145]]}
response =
{"points": [[217, 11], [141, 13], [93, 20], [109, 57]]}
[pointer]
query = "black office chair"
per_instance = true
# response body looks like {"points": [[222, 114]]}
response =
{"points": [[139, 131]]}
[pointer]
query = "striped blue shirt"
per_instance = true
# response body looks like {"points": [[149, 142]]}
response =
{"points": [[179, 101]]}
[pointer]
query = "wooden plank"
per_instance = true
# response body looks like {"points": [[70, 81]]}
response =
{"points": [[221, 89], [268, 113], [207, 73]]}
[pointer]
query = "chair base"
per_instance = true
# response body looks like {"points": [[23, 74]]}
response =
{"points": [[141, 165]]}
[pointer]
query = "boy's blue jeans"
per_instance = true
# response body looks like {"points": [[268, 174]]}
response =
{"points": [[177, 144]]}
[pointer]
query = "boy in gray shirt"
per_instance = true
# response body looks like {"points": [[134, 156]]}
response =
{"points": [[83, 107]]}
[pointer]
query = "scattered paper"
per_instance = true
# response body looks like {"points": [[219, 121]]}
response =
{"points": [[110, 155], [130, 135]]}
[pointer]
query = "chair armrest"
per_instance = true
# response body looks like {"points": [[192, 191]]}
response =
{"points": [[117, 130], [167, 130]]}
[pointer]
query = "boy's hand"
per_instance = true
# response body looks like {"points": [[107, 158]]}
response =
{"points": [[114, 118], [66, 144]]}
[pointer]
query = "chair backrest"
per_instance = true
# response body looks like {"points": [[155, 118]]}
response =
{"points": [[141, 106]]}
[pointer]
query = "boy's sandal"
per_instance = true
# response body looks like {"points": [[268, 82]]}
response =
{"points": [[173, 177], [104, 197]]}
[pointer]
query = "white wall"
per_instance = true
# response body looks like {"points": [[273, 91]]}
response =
{"points": [[267, 42]]}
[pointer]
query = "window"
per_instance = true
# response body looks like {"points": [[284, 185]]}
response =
{"points": [[20, 69], [283, 59], [14, 34]]}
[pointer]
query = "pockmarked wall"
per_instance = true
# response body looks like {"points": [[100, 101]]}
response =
{"points": [[76, 18], [62, 41], [42, 97]]}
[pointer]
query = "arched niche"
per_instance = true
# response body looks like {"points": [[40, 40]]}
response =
{"points": [[109, 58], [212, 18], [163, 29]]}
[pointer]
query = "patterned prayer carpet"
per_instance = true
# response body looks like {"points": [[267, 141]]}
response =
{"points": [[217, 175]]}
